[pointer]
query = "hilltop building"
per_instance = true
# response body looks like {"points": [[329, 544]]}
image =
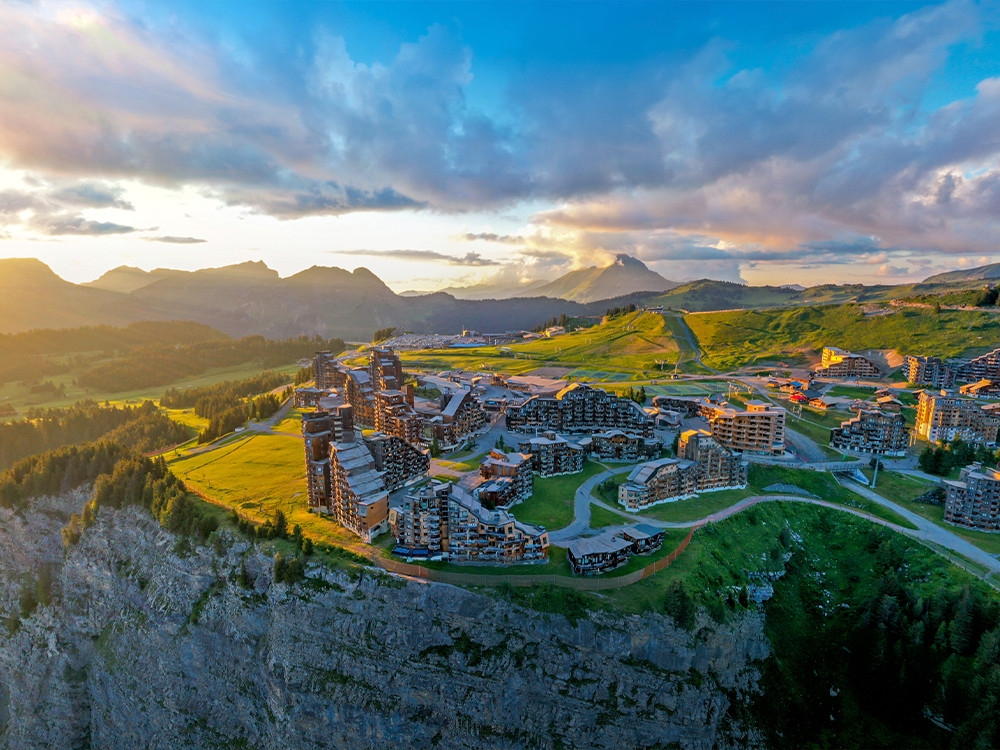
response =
{"points": [[760, 428], [579, 408], [441, 521], [840, 363], [551, 455], [872, 431], [508, 479], [974, 500], [612, 549], [703, 465], [942, 417]]}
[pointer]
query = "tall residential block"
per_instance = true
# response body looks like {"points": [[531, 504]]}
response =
{"points": [[872, 431], [944, 416], [974, 500], [760, 428]]}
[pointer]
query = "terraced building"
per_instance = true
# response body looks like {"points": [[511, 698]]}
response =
{"points": [[873, 432], [551, 455], [943, 416], [576, 409], [442, 521]]}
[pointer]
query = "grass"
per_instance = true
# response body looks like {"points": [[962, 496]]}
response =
{"points": [[734, 339], [851, 391], [600, 518], [624, 348], [697, 507], [258, 475], [902, 489], [551, 501], [20, 397]]}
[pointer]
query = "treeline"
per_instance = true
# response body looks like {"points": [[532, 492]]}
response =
{"points": [[32, 355], [227, 420], [142, 427], [140, 481], [616, 312], [564, 320], [940, 460], [988, 297], [228, 405], [382, 334], [160, 365], [209, 400], [871, 656], [635, 394], [58, 471]]}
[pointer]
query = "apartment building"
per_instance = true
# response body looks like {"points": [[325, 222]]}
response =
{"points": [[703, 465], [579, 408], [874, 432], [984, 389], [551, 455], [394, 415], [943, 416], [618, 445], [400, 462], [931, 371], [840, 363], [328, 373], [385, 369], [460, 417], [358, 500], [938, 373], [612, 549], [984, 367], [346, 475], [760, 428], [974, 500], [507, 479], [308, 398], [358, 392], [442, 520]]}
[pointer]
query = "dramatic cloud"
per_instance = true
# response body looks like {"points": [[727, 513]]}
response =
{"points": [[843, 148], [469, 259]]}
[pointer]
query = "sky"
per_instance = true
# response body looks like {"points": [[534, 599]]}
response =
{"points": [[447, 144]]}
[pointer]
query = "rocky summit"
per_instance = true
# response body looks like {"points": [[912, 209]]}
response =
{"points": [[151, 642]]}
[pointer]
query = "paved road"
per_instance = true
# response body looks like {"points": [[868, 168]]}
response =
{"points": [[581, 506], [929, 531], [692, 341]]}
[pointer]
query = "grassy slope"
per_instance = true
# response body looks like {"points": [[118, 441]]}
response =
{"points": [[734, 339], [19, 396], [630, 342], [258, 475]]}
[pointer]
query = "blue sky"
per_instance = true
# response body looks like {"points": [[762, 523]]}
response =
{"points": [[452, 143]]}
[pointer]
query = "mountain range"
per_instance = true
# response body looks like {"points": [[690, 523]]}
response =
{"points": [[623, 276], [250, 298]]}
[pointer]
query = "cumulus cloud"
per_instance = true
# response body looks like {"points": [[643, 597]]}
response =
{"points": [[426, 256], [692, 163]]}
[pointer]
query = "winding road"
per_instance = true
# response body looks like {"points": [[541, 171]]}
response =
{"points": [[926, 531]]}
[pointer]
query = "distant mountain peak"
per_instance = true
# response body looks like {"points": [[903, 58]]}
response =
{"points": [[27, 272]]}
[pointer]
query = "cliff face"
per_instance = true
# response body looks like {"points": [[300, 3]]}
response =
{"points": [[149, 643]]}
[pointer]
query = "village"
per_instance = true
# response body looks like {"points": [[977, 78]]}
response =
{"points": [[392, 452]]}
